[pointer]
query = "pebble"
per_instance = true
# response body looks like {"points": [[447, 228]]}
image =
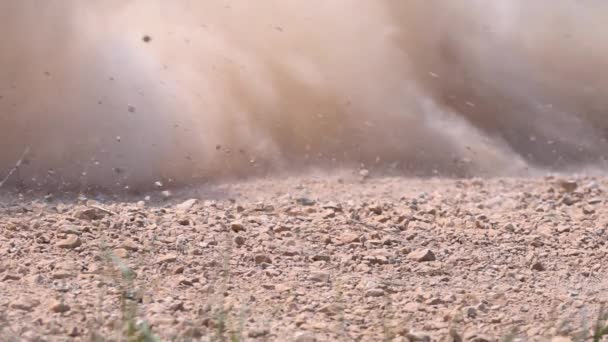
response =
{"points": [[374, 293], [422, 255], [307, 202], [475, 337], [411, 307], [165, 259], [185, 206], [239, 240], [62, 274], [71, 242], [24, 304], [121, 253], [319, 277], [11, 276], [261, 332], [90, 214], [418, 337], [321, 257], [538, 266], [129, 245], [304, 337], [262, 259], [568, 185], [237, 227], [471, 312], [59, 307]]}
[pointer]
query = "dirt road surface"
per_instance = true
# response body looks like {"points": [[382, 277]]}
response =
{"points": [[310, 259]]}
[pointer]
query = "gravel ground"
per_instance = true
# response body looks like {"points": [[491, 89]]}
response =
{"points": [[310, 259]]}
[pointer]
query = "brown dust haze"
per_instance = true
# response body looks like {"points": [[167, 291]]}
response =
{"points": [[114, 93]]}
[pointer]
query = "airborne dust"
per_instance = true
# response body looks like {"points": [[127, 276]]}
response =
{"points": [[125, 93]]}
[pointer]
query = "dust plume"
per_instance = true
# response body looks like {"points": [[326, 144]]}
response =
{"points": [[126, 93]]}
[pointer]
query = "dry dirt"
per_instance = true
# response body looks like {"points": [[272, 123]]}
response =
{"points": [[310, 259]]}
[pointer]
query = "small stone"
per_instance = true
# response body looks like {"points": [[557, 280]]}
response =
{"points": [[364, 173], [304, 337], [418, 337], [422, 255], [166, 194], [59, 307], [471, 312], [68, 229], [239, 240], [321, 258], [538, 266], [588, 210], [307, 202], [332, 309], [568, 185], [474, 337], [186, 282], [411, 307], [70, 242], [74, 332], [237, 227], [11, 276], [262, 259], [454, 336], [434, 301], [319, 277], [374, 293], [177, 306], [129, 245], [261, 332], [509, 227], [348, 238], [595, 200], [282, 229], [268, 286], [62, 274], [121, 253], [24, 305], [90, 214], [569, 200], [185, 206], [561, 339], [169, 258], [376, 209]]}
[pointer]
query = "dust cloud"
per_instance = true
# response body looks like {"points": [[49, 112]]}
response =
{"points": [[126, 93]]}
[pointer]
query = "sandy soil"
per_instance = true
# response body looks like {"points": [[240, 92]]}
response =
{"points": [[310, 259]]}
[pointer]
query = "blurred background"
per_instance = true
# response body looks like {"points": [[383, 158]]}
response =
{"points": [[117, 94]]}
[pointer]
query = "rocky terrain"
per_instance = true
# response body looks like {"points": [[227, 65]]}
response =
{"points": [[310, 259]]}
